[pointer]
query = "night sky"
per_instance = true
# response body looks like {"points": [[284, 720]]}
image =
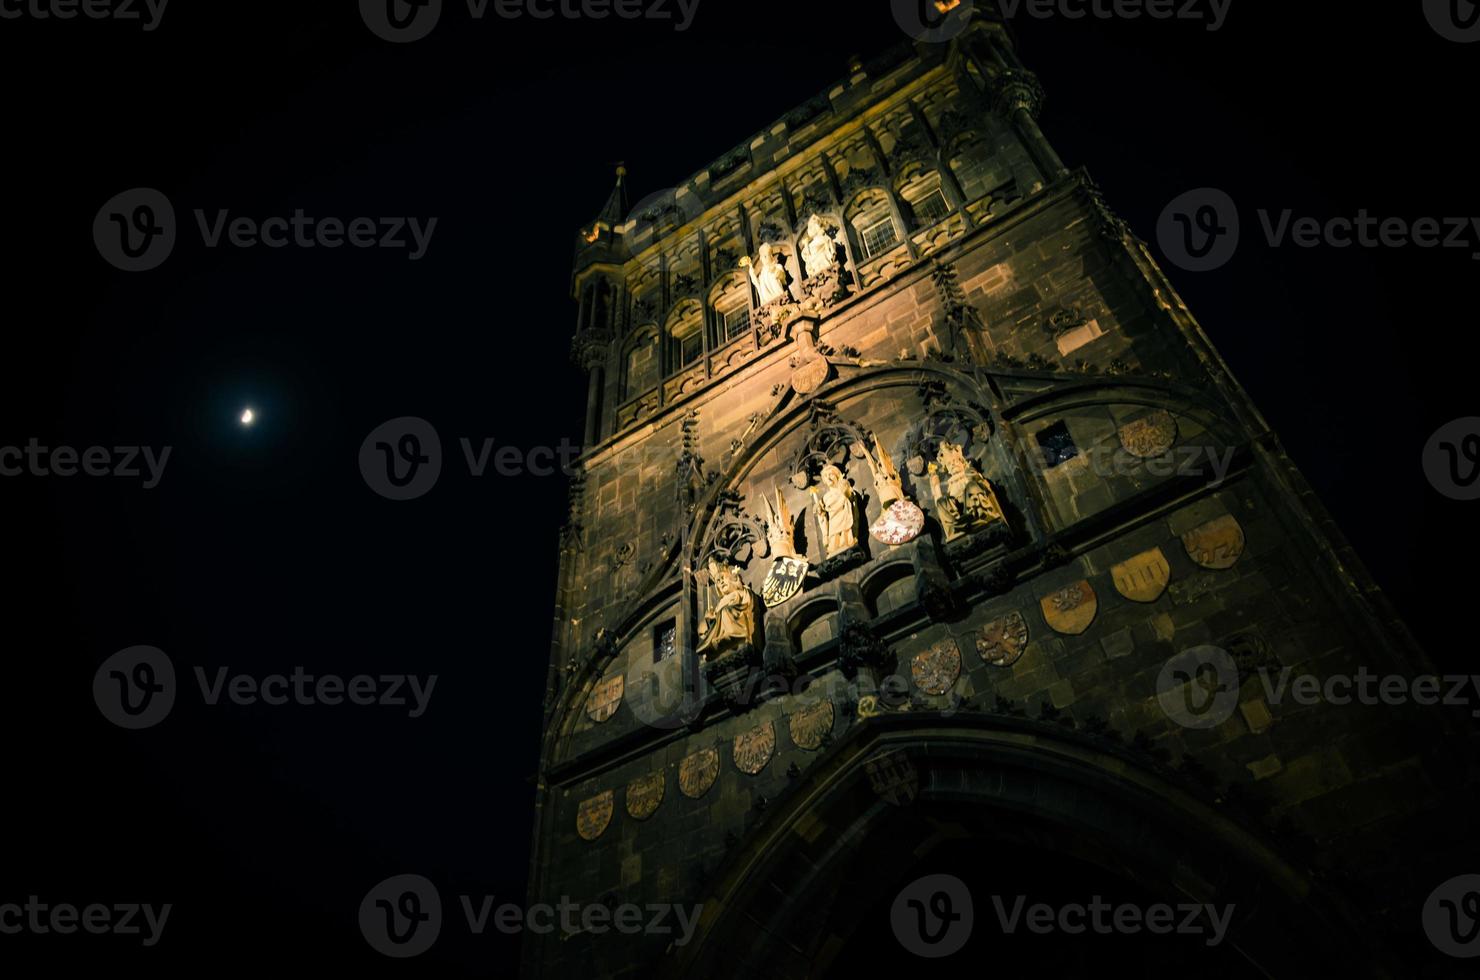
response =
{"points": [[262, 549]]}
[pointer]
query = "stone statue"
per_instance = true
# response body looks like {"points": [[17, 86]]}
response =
{"points": [[900, 521], [769, 276], [886, 475], [819, 249], [836, 507], [732, 623], [780, 532], [965, 501]]}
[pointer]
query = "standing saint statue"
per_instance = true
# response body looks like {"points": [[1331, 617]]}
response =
{"points": [[769, 276], [819, 248], [836, 507]]}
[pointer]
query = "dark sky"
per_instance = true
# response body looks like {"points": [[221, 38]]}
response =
{"points": [[262, 549]]}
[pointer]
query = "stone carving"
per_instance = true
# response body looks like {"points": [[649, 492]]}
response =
{"points": [[789, 570], [901, 521], [645, 794], [1142, 578], [605, 698], [1149, 437], [753, 748], [697, 772], [1071, 610], [835, 506], [893, 777], [965, 501], [732, 625], [810, 368], [593, 816], [810, 725], [1001, 642], [935, 670], [769, 276], [1218, 544], [824, 284], [819, 248]]}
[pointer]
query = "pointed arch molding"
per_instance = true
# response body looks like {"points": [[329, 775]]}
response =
{"points": [[1012, 397], [1061, 790]]}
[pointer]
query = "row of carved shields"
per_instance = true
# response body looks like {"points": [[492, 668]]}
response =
{"points": [[752, 751], [1071, 610]]}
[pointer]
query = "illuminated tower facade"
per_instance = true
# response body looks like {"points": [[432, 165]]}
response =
{"points": [[920, 529]]}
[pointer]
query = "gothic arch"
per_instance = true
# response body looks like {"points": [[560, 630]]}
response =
{"points": [[774, 907]]}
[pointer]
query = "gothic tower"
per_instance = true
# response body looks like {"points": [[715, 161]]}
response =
{"points": [[920, 529]]}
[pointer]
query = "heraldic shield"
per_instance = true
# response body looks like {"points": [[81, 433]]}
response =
{"points": [[784, 580]]}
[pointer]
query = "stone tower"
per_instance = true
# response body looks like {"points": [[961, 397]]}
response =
{"points": [[920, 528]]}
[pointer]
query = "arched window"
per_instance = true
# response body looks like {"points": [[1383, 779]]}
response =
{"points": [[730, 301], [926, 198], [685, 336], [874, 228]]}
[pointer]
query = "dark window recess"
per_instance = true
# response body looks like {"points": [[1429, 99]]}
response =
{"points": [[1058, 446], [663, 641]]}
